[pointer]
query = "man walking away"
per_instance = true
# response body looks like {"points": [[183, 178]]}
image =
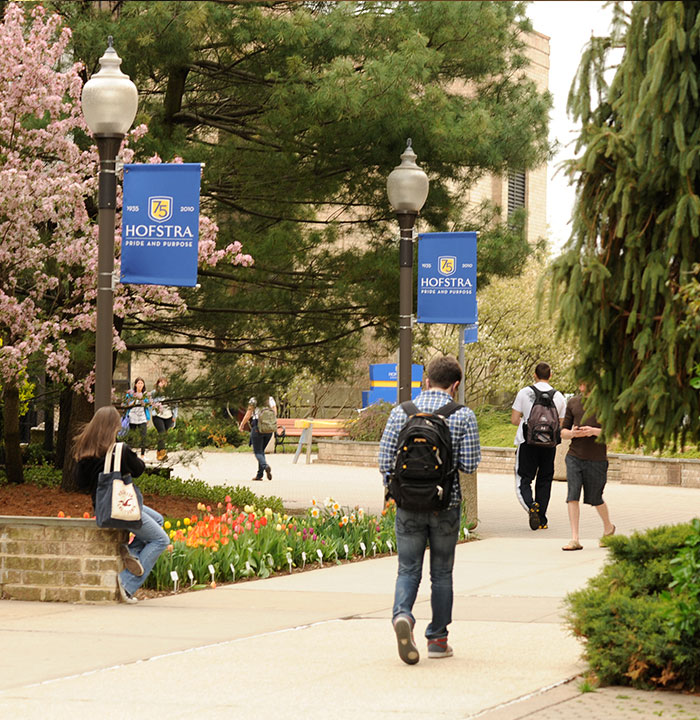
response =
{"points": [[534, 457], [586, 467], [438, 527]]}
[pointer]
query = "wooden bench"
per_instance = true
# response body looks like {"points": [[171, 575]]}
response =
{"points": [[306, 429]]}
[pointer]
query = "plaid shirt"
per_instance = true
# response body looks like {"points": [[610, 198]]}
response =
{"points": [[463, 428]]}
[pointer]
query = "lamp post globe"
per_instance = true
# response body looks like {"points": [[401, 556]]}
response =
{"points": [[109, 102], [407, 188]]}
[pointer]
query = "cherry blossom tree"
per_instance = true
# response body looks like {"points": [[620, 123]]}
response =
{"points": [[48, 239]]}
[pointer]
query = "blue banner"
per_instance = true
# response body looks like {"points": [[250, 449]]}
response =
{"points": [[471, 333], [160, 224], [447, 278]]}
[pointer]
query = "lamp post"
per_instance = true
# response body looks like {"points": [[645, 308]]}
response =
{"points": [[407, 188], [109, 104]]}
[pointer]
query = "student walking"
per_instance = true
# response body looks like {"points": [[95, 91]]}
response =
{"points": [[535, 461], [138, 404], [164, 417], [150, 540], [586, 467], [262, 420], [415, 529]]}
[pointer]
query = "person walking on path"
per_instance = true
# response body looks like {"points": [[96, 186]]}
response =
{"points": [[150, 540], [414, 530], [586, 467], [534, 462], [138, 403], [262, 420], [164, 417]]}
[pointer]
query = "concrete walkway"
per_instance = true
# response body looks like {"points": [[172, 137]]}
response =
{"points": [[319, 644]]}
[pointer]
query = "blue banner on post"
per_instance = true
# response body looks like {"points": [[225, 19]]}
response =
{"points": [[447, 278], [471, 333], [160, 224]]}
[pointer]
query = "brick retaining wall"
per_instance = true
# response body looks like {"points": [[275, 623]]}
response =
{"points": [[631, 469], [58, 559]]}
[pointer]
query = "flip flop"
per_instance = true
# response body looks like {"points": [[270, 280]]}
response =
{"points": [[573, 545], [602, 540]]}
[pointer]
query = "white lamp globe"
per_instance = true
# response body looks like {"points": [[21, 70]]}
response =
{"points": [[407, 185], [109, 99]]}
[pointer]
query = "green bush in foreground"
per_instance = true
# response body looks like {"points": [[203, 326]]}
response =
{"points": [[640, 617]]}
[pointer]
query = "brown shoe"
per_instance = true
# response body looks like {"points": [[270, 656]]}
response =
{"points": [[268, 472], [602, 542], [573, 545]]}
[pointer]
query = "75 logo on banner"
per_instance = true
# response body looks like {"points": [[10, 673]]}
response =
{"points": [[447, 264], [160, 208]]}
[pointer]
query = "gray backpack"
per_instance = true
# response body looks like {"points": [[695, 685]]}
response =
{"points": [[267, 421]]}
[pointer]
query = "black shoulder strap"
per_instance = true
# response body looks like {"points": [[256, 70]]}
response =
{"points": [[409, 408], [538, 393], [449, 408]]}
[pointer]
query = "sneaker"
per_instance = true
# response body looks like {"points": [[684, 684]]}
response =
{"points": [[126, 598], [535, 516], [268, 472], [403, 627], [438, 648], [131, 562]]}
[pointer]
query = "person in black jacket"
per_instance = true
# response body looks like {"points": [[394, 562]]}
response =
{"points": [[90, 449]]}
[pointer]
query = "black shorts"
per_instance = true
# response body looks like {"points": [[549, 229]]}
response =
{"points": [[591, 475]]}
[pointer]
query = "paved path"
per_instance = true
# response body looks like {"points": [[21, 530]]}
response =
{"points": [[319, 644]]}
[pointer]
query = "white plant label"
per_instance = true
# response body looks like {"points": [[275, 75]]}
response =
{"points": [[363, 547], [320, 557], [190, 575], [233, 572], [347, 551]]}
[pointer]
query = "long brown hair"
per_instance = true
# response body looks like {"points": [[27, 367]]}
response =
{"points": [[98, 435]]}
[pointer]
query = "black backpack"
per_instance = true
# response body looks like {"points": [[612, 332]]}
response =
{"points": [[543, 428], [425, 470]]}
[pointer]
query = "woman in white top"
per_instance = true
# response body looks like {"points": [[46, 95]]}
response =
{"points": [[263, 420], [138, 403]]}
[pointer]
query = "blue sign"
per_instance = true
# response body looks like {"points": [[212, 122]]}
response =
{"points": [[160, 224], [471, 333], [447, 278], [383, 382]]}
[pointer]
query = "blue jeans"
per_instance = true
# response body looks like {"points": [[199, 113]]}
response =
{"points": [[413, 532], [259, 442], [149, 542]]}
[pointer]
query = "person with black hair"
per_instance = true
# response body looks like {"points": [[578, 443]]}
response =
{"points": [[534, 462]]}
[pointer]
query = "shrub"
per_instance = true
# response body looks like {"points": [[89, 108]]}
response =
{"points": [[638, 631], [369, 425]]}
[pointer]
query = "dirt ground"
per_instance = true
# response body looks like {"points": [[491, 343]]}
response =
{"points": [[27, 499]]}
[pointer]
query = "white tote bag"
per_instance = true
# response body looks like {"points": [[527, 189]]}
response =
{"points": [[125, 502]]}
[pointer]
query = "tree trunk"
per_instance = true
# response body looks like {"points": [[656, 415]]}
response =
{"points": [[10, 432], [76, 411]]}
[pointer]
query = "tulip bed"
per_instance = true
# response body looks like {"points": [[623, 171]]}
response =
{"points": [[228, 544]]}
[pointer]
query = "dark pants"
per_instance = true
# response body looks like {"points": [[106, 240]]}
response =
{"points": [[143, 429], [534, 463], [414, 530], [259, 442], [162, 425]]}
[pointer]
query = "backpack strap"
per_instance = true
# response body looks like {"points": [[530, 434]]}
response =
{"points": [[448, 409], [409, 408]]}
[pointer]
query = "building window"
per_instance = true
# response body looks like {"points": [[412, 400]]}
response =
{"points": [[516, 191]]}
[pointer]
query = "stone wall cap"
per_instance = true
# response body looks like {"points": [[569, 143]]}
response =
{"points": [[34, 520]]}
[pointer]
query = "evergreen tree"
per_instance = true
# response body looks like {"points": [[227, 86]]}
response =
{"points": [[634, 243], [300, 111]]}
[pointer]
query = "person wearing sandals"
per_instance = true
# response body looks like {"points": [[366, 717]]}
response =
{"points": [[260, 437], [150, 540], [586, 467]]}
